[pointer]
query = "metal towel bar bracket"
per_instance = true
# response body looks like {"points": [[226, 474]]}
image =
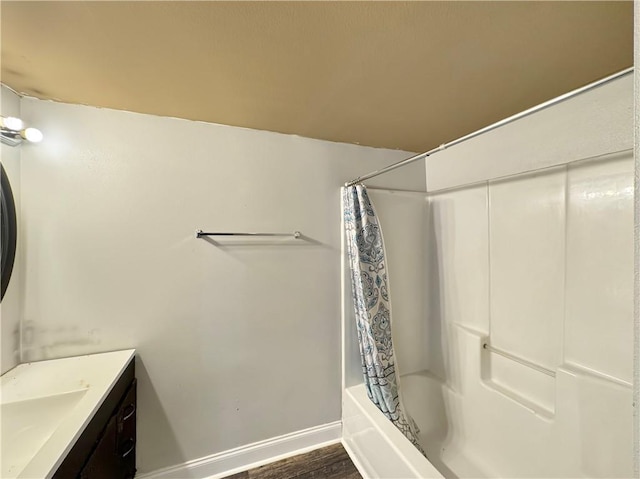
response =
{"points": [[295, 234]]}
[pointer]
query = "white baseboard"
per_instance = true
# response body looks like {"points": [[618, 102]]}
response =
{"points": [[253, 455]]}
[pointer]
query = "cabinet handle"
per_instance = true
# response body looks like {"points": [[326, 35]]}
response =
{"points": [[132, 409], [130, 450]]}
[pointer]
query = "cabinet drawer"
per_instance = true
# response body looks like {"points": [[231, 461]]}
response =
{"points": [[126, 426], [127, 412]]}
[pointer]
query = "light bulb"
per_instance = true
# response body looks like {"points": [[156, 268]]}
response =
{"points": [[13, 123], [33, 135]]}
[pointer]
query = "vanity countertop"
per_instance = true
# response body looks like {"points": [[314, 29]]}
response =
{"points": [[46, 405]]}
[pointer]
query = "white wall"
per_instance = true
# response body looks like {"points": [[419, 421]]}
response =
{"points": [[10, 306], [237, 341]]}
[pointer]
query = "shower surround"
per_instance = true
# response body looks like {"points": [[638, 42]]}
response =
{"points": [[512, 291]]}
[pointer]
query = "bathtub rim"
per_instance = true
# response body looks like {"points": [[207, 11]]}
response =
{"points": [[398, 447]]}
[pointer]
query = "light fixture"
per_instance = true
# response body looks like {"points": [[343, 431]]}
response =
{"points": [[13, 132], [32, 134], [12, 123]]}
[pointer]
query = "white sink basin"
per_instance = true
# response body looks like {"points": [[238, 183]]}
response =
{"points": [[28, 424], [46, 405]]}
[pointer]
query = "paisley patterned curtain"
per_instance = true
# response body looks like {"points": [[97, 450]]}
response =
{"points": [[370, 287]]}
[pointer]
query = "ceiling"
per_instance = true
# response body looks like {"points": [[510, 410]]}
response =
{"points": [[407, 75]]}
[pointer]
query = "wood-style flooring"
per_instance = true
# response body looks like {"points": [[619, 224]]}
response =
{"points": [[331, 462]]}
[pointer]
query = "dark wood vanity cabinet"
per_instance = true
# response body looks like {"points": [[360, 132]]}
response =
{"points": [[107, 447]]}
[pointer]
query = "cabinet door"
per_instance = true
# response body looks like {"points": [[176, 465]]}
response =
{"points": [[103, 462]]}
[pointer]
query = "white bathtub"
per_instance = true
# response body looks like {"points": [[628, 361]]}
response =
{"points": [[380, 450], [376, 446]]}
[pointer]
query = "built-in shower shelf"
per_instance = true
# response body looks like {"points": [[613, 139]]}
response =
{"points": [[529, 384], [535, 407], [520, 360]]}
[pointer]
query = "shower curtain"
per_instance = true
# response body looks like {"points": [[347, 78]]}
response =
{"points": [[370, 287]]}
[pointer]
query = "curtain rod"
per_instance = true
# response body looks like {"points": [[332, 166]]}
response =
{"points": [[493, 126]]}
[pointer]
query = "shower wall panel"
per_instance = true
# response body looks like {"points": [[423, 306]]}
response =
{"points": [[458, 274], [526, 221], [599, 297], [535, 259], [403, 217], [551, 254], [458, 226]]}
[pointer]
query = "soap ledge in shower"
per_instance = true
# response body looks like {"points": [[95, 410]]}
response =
{"points": [[535, 408], [528, 387]]}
